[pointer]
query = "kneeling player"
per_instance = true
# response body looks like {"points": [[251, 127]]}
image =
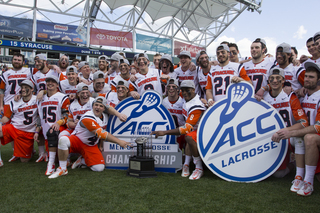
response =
{"points": [[23, 115], [85, 139], [192, 111]]}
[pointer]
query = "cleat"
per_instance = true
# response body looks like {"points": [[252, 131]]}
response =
{"points": [[47, 158], [1, 163], [196, 174], [14, 158], [296, 184], [306, 189], [59, 172], [185, 171], [42, 157], [50, 170], [77, 163]]}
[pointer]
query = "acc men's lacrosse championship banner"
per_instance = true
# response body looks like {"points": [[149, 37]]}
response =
{"points": [[143, 116], [234, 136]]}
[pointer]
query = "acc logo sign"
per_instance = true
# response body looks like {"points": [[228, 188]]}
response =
{"points": [[234, 137], [146, 113]]}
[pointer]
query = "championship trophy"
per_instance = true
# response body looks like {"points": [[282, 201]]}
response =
{"points": [[141, 163]]}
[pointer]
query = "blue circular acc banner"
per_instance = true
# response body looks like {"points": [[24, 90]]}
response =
{"points": [[234, 136]]}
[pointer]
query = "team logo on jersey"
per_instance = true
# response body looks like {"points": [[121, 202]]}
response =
{"points": [[145, 113], [234, 136]]}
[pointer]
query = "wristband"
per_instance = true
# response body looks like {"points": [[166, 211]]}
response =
{"points": [[36, 132], [263, 88], [210, 100]]}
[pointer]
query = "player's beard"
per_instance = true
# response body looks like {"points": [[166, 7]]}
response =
{"points": [[63, 66], [17, 66], [223, 60], [204, 65]]}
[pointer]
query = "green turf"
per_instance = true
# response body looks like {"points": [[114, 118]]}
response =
{"points": [[25, 188]]}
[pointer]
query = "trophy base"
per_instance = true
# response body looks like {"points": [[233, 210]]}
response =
{"points": [[141, 167]]}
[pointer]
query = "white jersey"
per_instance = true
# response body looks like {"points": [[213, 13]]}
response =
{"points": [[288, 107], [76, 110], [219, 78], [66, 88], [258, 73], [310, 105], [105, 89], [317, 61], [112, 98], [188, 75], [24, 114], [190, 106], [291, 74], [88, 79], [84, 134], [10, 81], [50, 109], [202, 81], [109, 78], [39, 79], [175, 110], [149, 81]]}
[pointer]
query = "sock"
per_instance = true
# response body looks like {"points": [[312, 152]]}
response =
{"points": [[83, 162], [310, 171], [299, 172], [187, 160], [41, 150], [52, 157], [198, 162], [63, 164], [0, 156]]}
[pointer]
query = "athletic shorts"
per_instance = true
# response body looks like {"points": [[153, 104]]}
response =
{"points": [[23, 141], [181, 141], [193, 134], [91, 154]]}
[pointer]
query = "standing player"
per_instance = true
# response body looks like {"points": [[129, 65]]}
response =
{"points": [[166, 71], [257, 69], [122, 92], [24, 117], [98, 86], [147, 78], [203, 71], [69, 85], [103, 64], [221, 75], [124, 74], [114, 69], [156, 60], [53, 113], [192, 111], [184, 73], [85, 72], [88, 133], [310, 134], [293, 115]]}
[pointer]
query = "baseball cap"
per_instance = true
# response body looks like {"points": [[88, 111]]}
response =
{"points": [[124, 83], [82, 86], [82, 64], [186, 53], [167, 57], [72, 69], [309, 64], [316, 36], [187, 83], [124, 61], [98, 74], [123, 54], [42, 57], [53, 77], [286, 48], [27, 82], [115, 57], [173, 81], [201, 52], [276, 71], [103, 57], [100, 100], [224, 47], [143, 55], [135, 57]]}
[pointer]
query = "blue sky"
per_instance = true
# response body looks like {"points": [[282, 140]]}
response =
{"points": [[290, 21]]}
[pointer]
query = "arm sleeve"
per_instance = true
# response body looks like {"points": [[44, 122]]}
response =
{"points": [[194, 117], [243, 74], [90, 124], [297, 111]]}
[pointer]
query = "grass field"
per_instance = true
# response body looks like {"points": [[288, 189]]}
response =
{"points": [[25, 188]]}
